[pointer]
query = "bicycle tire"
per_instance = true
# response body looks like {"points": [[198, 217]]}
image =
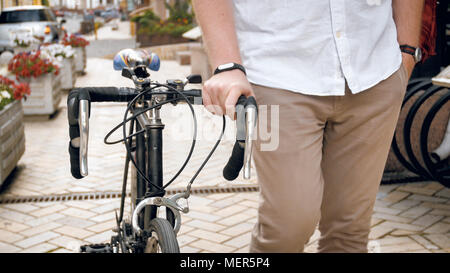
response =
{"points": [[166, 237]]}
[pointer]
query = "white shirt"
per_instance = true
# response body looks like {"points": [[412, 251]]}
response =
{"points": [[314, 46]]}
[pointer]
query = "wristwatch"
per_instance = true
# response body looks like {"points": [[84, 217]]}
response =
{"points": [[416, 52], [228, 67]]}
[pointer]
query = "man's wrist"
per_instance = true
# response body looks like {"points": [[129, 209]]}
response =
{"points": [[229, 67]]}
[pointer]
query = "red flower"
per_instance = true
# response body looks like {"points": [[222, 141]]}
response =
{"points": [[30, 65], [19, 90]]}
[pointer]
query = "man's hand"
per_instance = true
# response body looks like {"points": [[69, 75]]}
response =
{"points": [[409, 63], [221, 92]]}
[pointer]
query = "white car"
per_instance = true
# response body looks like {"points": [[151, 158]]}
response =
{"points": [[37, 20]]}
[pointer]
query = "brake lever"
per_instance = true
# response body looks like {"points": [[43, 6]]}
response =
{"points": [[83, 123], [246, 117], [251, 115]]}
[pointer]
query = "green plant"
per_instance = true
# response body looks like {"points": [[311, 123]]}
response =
{"points": [[180, 12], [180, 20]]}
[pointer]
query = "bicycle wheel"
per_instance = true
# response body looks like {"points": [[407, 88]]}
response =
{"points": [[162, 239]]}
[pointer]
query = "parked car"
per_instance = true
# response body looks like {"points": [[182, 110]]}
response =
{"points": [[39, 19]]}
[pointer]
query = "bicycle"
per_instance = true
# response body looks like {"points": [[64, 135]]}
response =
{"points": [[147, 232]]}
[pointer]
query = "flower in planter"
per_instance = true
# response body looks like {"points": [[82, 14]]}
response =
{"points": [[24, 38], [10, 91], [56, 52], [31, 64], [74, 41]]}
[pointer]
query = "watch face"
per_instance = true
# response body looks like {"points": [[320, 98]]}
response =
{"points": [[225, 66], [418, 55]]}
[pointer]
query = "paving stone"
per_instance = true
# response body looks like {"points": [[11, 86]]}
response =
{"points": [[228, 211], [203, 216], [388, 188], [405, 204], [45, 219], [34, 240], [79, 213], [206, 225], [244, 249], [185, 229], [401, 232], [15, 216], [189, 249], [443, 193], [401, 226], [395, 196], [12, 226], [402, 248], [391, 240], [211, 246], [75, 222], [8, 248], [415, 212], [208, 235], [240, 241], [69, 243], [74, 232], [24, 207], [427, 220], [386, 210], [103, 226], [185, 239], [424, 242], [10, 237], [249, 203], [237, 229], [234, 219], [419, 197], [440, 212], [412, 189], [104, 237], [41, 248], [436, 205], [39, 229], [391, 217], [375, 221], [440, 240], [379, 231]]}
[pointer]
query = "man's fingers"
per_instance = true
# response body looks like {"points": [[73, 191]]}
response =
{"points": [[207, 101], [231, 100]]}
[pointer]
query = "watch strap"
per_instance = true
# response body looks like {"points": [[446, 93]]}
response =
{"points": [[229, 66]]}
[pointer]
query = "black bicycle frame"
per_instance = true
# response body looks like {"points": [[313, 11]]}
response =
{"points": [[149, 159]]}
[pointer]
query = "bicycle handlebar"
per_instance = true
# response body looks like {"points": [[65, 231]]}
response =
{"points": [[246, 117], [78, 112]]}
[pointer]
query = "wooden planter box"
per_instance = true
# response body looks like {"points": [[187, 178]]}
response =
{"points": [[45, 95], [68, 73], [80, 59], [158, 39], [12, 138]]}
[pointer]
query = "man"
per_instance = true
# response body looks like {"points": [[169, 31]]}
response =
{"points": [[336, 70]]}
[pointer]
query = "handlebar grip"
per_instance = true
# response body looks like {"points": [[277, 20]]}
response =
{"points": [[74, 153], [235, 163], [241, 150]]}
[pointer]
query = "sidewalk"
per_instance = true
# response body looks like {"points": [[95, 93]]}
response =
{"points": [[407, 218]]}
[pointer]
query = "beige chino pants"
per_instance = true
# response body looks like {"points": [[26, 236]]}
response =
{"points": [[327, 168]]}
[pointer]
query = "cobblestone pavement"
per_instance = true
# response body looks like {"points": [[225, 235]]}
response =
{"points": [[407, 218]]}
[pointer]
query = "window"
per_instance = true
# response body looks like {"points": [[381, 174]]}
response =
{"points": [[19, 16]]}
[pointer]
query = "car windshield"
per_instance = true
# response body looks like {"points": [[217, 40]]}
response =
{"points": [[19, 16]]}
